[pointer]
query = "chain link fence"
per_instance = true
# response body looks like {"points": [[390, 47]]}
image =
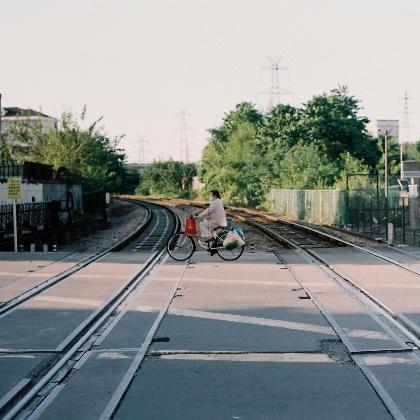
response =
{"points": [[320, 206], [365, 211]]}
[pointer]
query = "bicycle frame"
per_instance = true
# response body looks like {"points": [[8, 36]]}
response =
{"points": [[206, 245]]}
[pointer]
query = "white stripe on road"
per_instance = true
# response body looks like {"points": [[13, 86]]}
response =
{"points": [[253, 320], [251, 357]]}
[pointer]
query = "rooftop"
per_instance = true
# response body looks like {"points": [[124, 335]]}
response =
{"points": [[20, 112]]}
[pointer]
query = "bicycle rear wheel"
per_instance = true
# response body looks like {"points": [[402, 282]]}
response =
{"points": [[228, 254], [180, 246]]}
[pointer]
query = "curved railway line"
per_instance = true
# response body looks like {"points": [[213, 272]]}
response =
{"points": [[150, 238], [32, 396]]}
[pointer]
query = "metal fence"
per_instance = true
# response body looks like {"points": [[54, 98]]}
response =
{"points": [[320, 206], [7, 171], [33, 216], [363, 211]]}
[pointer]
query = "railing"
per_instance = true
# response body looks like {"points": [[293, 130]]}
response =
{"points": [[363, 211], [7, 171], [32, 216], [370, 214], [29, 170]]}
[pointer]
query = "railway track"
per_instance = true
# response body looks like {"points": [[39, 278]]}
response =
{"points": [[33, 396], [312, 246], [8, 305], [29, 393], [306, 241]]}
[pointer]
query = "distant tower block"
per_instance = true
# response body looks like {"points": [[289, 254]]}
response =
{"points": [[275, 91], [391, 127], [405, 136], [183, 139]]}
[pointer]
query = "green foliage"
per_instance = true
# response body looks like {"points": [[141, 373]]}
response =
{"points": [[352, 166], [168, 178], [332, 121], [83, 155], [129, 180], [304, 166], [5, 156], [393, 155], [313, 146], [412, 151]]}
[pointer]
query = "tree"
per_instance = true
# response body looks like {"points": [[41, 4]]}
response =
{"points": [[168, 178], [353, 166], [393, 156], [332, 121], [305, 167], [82, 155], [313, 146]]}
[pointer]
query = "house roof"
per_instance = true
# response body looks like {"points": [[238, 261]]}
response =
{"points": [[20, 112]]}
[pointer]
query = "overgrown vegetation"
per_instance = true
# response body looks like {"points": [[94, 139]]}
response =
{"points": [[80, 154], [312, 146], [168, 178]]}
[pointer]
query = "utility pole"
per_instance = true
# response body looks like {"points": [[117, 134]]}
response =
{"points": [[386, 165], [386, 186], [275, 91]]}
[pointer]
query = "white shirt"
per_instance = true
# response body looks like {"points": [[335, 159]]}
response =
{"points": [[216, 212]]}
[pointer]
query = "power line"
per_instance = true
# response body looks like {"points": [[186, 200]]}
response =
{"points": [[405, 136], [184, 152], [275, 91], [142, 151]]}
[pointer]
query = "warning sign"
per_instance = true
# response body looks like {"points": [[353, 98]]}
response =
{"points": [[14, 187]]}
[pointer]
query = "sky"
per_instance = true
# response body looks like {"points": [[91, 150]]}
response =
{"points": [[138, 63]]}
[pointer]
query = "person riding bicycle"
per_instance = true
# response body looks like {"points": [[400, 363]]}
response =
{"points": [[214, 216]]}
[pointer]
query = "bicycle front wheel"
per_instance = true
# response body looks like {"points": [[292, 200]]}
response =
{"points": [[228, 254], [180, 246]]}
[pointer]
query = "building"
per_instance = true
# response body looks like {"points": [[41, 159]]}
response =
{"points": [[10, 116], [389, 126], [27, 118], [41, 184]]}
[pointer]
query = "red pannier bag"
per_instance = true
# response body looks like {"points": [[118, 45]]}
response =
{"points": [[190, 226]]}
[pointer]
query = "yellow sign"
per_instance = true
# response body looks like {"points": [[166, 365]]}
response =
{"points": [[14, 187]]}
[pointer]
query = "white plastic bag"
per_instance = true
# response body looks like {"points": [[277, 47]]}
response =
{"points": [[232, 240]]}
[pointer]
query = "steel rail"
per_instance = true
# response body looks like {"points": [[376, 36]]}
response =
{"points": [[6, 307], [409, 328], [96, 322], [324, 235], [404, 325]]}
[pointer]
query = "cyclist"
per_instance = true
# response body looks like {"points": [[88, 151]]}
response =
{"points": [[214, 216]]}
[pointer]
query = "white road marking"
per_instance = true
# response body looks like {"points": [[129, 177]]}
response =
{"points": [[253, 320], [252, 357], [76, 301]]}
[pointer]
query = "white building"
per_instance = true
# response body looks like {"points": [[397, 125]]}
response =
{"points": [[10, 116]]}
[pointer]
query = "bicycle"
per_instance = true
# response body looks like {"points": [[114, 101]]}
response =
{"points": [[181, 246]]}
